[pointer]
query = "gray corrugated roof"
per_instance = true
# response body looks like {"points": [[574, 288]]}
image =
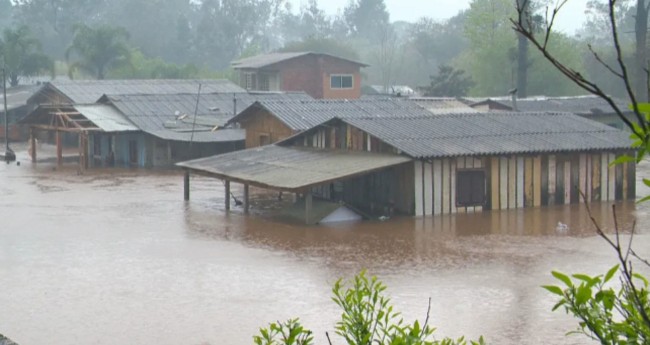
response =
{"points": [[265, 60], [156, 112], [89, 91], [302, 115], [201, 136], [492, 134], [291, 168], [106, 117], [581, 105]]}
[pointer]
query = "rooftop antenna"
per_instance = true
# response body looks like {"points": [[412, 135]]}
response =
{"points": [[10, 156], [196, 110]]}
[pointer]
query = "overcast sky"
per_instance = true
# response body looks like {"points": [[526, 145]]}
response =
{"points": [[570, 19]]}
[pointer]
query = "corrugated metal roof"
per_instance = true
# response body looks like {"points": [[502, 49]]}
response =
{"points": [[201, 136], [303, 115], [581, 105], [106, 117], [291, 168], [442, 105], [89, 91], [265, 60], [156, 112], [499, 133]]}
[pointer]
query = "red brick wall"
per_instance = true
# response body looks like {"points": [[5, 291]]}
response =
{"points": [[311, 74]]}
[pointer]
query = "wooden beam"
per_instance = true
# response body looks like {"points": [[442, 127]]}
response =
{"points": [[246, 199], [308, 207], [59, 149], [32, 141], [227, 200], [186, 186]]}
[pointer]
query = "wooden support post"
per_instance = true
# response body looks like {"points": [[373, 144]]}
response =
{"points": [[308, 206], [246, 199], [227, 196], [59, 149], [186, 186], [32, 143], [81, 150]]}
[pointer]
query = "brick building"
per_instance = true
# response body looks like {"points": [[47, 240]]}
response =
{"points": [[318, 75]]}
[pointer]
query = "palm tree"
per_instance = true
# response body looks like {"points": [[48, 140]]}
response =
{"points": [[21, 55], [98, 50]]}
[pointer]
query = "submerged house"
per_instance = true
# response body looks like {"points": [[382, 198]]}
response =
{"points": [[319, 75], [444, 164], [17, 108], [154, 129], [269, 121]]}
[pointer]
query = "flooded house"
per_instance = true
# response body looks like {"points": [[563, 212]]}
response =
{"points": [[319, 75], [138, 129], [424, 165], [17, 108]]}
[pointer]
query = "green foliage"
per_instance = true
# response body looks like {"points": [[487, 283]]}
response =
{"points": [[290, 332], [449, 82], [22, 55], [142, 67], [609, 315], [98, 50], [367, 318]]}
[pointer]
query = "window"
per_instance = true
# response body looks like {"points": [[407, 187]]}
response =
{"points": [[263, 83], [341, 81], [249, 81], [470, 187]]}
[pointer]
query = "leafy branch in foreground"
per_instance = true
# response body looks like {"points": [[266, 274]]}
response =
{"points": [[368, 318]]}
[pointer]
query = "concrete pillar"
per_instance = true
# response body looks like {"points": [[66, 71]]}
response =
{"points": [[246, 199], [227, 196], [186, 185], [59, 149], [308, 206]]}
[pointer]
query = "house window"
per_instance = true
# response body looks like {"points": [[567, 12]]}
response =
{"points": [[470, 187], [249, 81], [341, 81], [264, 83]]}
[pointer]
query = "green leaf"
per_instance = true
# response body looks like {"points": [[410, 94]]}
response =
{"points": [[622, 160], [562, 277], [554, 290], [585, 278], [611, 273], [643, 107]]}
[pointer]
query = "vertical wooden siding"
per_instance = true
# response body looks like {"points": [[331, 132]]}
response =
{"points": [[523, 181]]}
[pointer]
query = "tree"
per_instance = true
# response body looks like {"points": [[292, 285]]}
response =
{"points": [[640, 54], [96, 51], [367, 19], [611, 316], [449, 82], [6, 11], [21, 55]]}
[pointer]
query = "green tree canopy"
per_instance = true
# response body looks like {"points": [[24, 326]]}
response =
{"points": [[96, 51], [21, 55], [449, 82]]}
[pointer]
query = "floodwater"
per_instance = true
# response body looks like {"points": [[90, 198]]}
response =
{"points": [[117, 257]]}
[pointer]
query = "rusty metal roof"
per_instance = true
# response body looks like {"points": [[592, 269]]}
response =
{"points": [[303, 115], [265, 60], [465, 134], [291, 168], [89, 91]]}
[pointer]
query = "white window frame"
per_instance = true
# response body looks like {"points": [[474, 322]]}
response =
{"points": [[342, 76]]}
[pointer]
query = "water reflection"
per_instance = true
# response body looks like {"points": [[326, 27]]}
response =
{"points": [[118, 257]]}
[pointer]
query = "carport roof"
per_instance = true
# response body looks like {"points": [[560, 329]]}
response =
{"points": [[291, 169]]}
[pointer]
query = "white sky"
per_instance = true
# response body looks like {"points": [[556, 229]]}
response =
{"points": [[570, 19]]}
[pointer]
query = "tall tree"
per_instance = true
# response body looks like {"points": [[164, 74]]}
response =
{"points": [[522, 53], [6, 11], [21, 55], [367, 19], [95, 51]]}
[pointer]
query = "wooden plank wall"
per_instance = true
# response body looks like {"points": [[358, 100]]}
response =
{"points": [[523, 181]]}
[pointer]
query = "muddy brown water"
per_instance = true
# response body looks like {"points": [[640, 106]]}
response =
{"points": [[117, 257]]}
